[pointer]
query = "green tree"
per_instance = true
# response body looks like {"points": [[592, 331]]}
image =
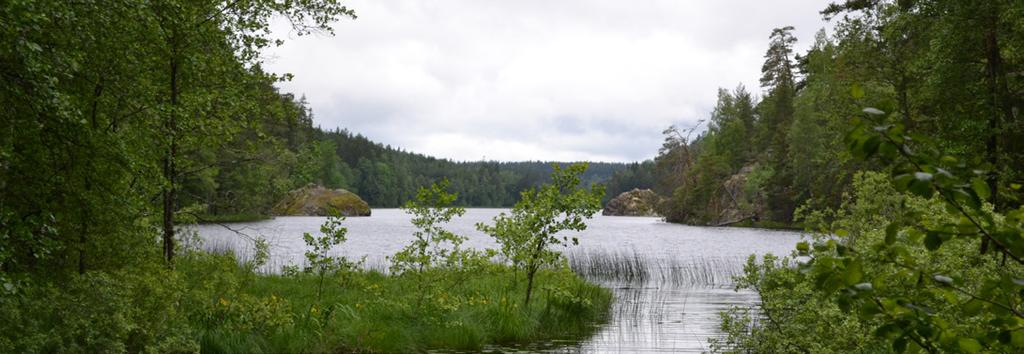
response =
{"points": [[319, 260], [205, 45], [776, 114], [433, 245], [529, 232]]}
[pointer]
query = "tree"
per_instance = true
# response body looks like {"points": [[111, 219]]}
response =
{"points": [[776, 113], [433, 246], [318, 259], [528, 233], [204, 45]]}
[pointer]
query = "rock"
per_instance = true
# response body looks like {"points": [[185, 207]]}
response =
{"points": [[736, 203], [637, 202], [316, 200]]}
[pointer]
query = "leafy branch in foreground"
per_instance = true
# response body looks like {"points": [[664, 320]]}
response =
{"points": [[920, 293]]}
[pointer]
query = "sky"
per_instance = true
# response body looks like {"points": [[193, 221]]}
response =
{"points": [[564, 80]]}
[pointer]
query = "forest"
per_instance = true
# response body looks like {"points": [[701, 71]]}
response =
{"points": [[946, 70], [895, 142], [125, 121]]}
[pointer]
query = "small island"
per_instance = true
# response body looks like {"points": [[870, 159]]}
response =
{"points": [[317, 200], [637, 202]]}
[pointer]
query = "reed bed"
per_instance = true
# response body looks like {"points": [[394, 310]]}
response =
{"points": [[633, 267]]}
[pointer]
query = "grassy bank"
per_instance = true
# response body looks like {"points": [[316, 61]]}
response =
{"points": [[368, 311]]}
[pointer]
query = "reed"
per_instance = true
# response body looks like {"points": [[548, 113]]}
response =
{"points": [[633, 267]]}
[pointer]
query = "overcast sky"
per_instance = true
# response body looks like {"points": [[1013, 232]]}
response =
{"points": [[533, 80]]}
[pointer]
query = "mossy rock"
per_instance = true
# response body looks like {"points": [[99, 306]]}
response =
{"points": [[637, 202], [316, 200]]}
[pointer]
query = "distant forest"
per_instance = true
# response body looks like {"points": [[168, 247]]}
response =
{"points": [[288, 151]]}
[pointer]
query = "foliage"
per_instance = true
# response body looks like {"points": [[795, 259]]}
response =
{"points": [[435, 258], [122, 120], [434, 247], [319, 260], [528, 233], [945, 69], [431, 208], [901, 266], [924, 256]]}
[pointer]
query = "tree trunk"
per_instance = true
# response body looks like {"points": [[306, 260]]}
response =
{"points": [[999, 93], [170, 169], [529, 284], [531, 268]]}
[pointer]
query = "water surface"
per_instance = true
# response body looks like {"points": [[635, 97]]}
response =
{"points": [[672, 307]]}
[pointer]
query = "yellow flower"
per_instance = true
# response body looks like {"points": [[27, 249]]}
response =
{"points": [[223, 302]]}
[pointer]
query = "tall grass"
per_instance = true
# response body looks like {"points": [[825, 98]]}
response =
{"points": [[633, 267], [369, 311]]}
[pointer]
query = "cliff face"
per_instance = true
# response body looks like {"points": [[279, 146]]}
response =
{"points": [[315, 200], [637, 202]]}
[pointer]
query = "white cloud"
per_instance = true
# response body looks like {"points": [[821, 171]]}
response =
{"points": [[531, 79]]}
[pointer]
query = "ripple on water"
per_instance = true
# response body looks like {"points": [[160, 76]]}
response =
{"points": [[670, 281]]}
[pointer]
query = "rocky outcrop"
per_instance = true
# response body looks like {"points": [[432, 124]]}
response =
{"points": [[316, 200], [740, 200], [637, 202]]}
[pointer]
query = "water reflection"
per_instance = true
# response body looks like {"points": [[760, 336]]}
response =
{"points": [[670, 281]]}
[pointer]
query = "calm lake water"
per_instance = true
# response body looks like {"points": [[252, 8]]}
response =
{"points": [[670, 305]]}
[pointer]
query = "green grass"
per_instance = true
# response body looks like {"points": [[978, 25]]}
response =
{"points": [[238, 311]]}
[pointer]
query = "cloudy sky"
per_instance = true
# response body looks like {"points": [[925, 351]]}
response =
{"points": [[533, 79]]}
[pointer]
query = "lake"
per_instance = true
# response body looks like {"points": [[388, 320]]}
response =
{"points": [[670, 281]]}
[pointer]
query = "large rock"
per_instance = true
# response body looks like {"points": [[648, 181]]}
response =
{"points": [[637, 202], [737, 203], [315, 200]]}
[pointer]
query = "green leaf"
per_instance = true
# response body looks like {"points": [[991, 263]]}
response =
{"points": [[902, 182], [969, 345], [1017, 339], [869, 310], [980, 187], [857, 91], [973, 308], [921, 187], [899, 345], [853, 273], [887, 330]]}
